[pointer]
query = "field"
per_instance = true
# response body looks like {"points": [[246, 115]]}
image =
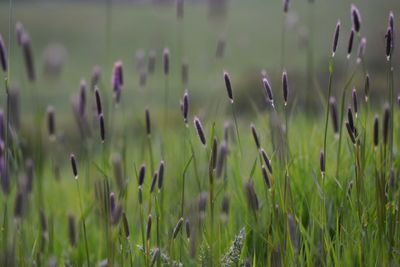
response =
{"points": [[271, 151]]}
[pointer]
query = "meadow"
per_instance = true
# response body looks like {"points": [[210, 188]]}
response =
{"points": [[138, 134]]}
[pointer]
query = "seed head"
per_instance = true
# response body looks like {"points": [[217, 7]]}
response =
{"points": [[228, 86], [126, 225], [335, 123], [376, 131], [185, 72], [389, 42], [361, 49], [355, 18], [166, 61], [142, 173], [74, 166], [71, 230], [51, 124], [177, 228], [386, 119], [82, 98], [252, 199], [268, 90], [185, 106], [148, 229], [179, 9], [102, 128], [351, 133], [322, 163], [266, 177], [148, 122], [221, 158], [28, 56], [153, 182], [286, 6], [98, 100], [187, 227], [354, 98], [335, 38], [96, 75], [3, 55], [255, 136], [161, 174], [267, 161], [200, 131], [151, 67], [350, 44], [285, 87], [366, 87]]}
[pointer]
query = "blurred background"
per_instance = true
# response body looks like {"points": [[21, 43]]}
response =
{"points": [[70, 38]]}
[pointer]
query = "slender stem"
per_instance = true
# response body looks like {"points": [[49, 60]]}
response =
{"points": [[83, 222], [327, 103], [236, 127]]}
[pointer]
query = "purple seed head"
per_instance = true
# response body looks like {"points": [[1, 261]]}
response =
{"points": [[221, 159], [322, 162], [252, 199], [350, 119], [177, 228], [376, 131], [268, 90], [185, 106], [153, 182], [117, 80], [74, 166], [3, 55], [389, 42], [228, 86], [142, 173], [112, 202], [366, 87], [161, 174], [214, 154], [187, 227], [166, 63], [98, 101], [126, 225], [386, 121], [335, 38], [19, 204], [148, 122], [334, 114], [199, 129], [285, 87], [102, 128], [266, 177], [225, 204], [255, 136], [355, 18], [267, 161], [351, 133], [350, 44], [51, 124], [148, 228]]}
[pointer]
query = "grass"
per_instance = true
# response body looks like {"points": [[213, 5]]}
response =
{"points": [[345, 216]]}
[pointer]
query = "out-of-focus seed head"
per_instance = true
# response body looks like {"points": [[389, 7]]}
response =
{"points": [[185, 73], [29, 172], [228, 86], [366, 87], [361, 49], [82, 98], [355, 18], [221, 159], [220, 51], [148, 228], [351, 133], [142, 173], [185, 106], [335, 38], [28, 56], [96, 75], [126, 225], [19, 204], [201, 204], [354, 98], [161, 174], [151, 67], [51, 124], [334, 114], [153, 182], [3, 55], [71, 230], [286, 6], [117, 80], [166, 56], [19, 30], [74, 166], [187, 228], [322, 163], [148, 122], [214, 154], [179, 9], [252, 199]]}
